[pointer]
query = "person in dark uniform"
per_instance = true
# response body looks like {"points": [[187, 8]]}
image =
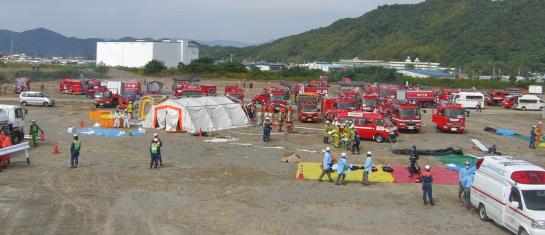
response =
{"points": [[412, 160], [427, 179], [74, 152]]}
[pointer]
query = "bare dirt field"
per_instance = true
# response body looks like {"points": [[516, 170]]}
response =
{"points": [[217, 188]]}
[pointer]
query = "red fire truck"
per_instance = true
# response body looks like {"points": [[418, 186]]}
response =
{"points": [[278, 97], [370, 102], [92, 86], [509, 101], [71, 86], [371, 126], [495, 97], [235, 92], [421, 98], [308, 111], [449, 117], [406, 117], [186, 86], [207, 90], [105, 98], [331, 107]]}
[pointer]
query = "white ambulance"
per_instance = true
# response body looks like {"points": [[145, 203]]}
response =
{"points": [[511, 192]]}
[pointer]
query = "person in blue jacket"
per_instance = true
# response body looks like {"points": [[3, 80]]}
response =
{"points": [[356, 143], [326, 165], [464, 173], [342, 166], [427, 179], [267, 127], [368, 168], [468, 181]]}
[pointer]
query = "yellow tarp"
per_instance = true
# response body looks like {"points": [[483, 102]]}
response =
{"points": [[541, 145], [312, 171]]}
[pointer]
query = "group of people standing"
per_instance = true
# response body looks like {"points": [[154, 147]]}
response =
{"points": [[348, 137], [536, 134], [266, 118], [343, 166], [125, 115]]}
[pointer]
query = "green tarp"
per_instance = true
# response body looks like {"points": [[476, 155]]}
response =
{"points": [[458, 160]]}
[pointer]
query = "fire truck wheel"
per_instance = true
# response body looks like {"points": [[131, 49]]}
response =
{"points": [[379, 138]]}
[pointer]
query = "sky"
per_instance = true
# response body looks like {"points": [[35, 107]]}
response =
{"points": [[250, 21]]}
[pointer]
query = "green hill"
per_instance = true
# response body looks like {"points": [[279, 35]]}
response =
{"points": [[472, 34]]}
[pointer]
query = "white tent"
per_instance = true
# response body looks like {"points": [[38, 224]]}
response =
{"points": [[210, 113]]}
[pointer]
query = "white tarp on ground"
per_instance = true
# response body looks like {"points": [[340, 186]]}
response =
{"points": [[209, 113]]}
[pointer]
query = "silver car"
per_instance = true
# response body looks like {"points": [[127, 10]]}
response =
{"points": [[35, 98]]}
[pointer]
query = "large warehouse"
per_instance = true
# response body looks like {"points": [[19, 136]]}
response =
{"points": [[137, 54]]}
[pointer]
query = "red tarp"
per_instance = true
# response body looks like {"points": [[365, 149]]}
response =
{"points": [[441, 175]]}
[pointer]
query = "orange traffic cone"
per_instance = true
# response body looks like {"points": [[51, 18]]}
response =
{"points": [[42, 136], [81, 123], [300, 173], [56, 149], [200, 134]]}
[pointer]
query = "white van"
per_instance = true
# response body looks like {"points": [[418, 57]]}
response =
{"points": [[529, 102], [469, 99], [511, 192], [35, 98]]}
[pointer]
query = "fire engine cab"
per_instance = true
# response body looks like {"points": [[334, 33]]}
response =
{"points": [[449, 118], [511, 192], [371, 126], [406, 117]]}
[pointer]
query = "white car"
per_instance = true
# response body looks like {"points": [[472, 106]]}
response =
{"points": [[511, 192], [35, 98]]}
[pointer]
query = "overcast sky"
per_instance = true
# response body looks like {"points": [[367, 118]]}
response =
{"points": [[241, 20]]}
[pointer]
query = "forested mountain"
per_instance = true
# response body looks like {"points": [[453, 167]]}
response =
{"points": [[473, 34]]}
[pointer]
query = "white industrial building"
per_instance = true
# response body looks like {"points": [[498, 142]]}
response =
{"points": [[137, 54]]}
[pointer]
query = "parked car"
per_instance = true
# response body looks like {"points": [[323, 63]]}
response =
{"points": [[35, 98]]}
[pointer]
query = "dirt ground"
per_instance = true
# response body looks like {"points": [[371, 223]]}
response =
{"points": [[217, 188]]}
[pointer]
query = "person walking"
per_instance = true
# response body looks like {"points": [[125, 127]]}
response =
{"points": [[74, 152], [35, 131], [367, 168], [126, 118], [117, 116], [533, 137], [154, 148], [326, 165], [479, 106], [427, 179], [159, 157], [342, 166], [267, 127], [412, 160], [356, 143], [464, 173], [327, 129]]}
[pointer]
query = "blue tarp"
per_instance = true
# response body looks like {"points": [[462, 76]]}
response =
{"points": [[506, 132], [105, 132]]}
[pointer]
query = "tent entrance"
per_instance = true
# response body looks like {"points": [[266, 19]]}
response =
{"points": [[168, 118]]}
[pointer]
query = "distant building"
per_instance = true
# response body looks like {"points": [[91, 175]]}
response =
{"points": [[139, 53], [265, 66], [423, 73], [325, 66], [408, 63]]}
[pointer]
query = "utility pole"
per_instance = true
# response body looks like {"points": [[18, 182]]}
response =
{"points": [[231, 58], [11, 48]]}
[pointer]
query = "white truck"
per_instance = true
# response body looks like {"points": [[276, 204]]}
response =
{"points": [[12, 122], [469, 99], [511, 192]]}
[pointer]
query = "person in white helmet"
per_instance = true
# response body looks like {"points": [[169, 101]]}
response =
{"points": [[126, 118], [342, 166], [74, 152], [117, 116], [367, 169], [327, 129], [154, 149], [326, 165], [427, 179], [159, 158]]}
